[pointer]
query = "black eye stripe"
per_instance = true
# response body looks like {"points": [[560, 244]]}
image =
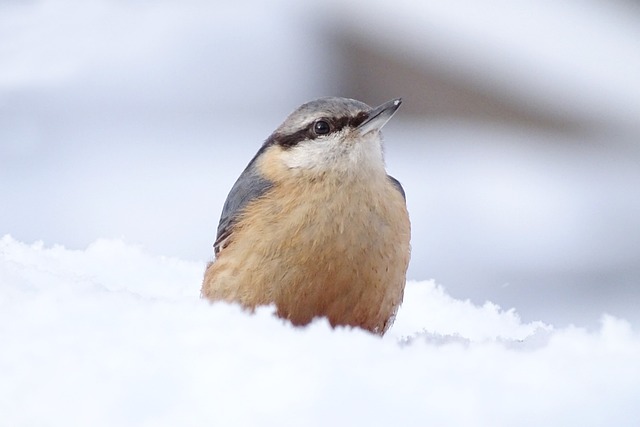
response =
{"points": [[336, 124], [288, 140], [342, 122], [358, 119]]}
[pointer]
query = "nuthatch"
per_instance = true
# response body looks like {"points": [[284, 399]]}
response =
{"points": [[314, 224]]}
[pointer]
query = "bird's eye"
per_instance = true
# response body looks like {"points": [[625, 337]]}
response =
{"points": [[321, 127]]}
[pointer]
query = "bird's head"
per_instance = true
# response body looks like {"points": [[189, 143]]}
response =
{"points": [[331, 135]]}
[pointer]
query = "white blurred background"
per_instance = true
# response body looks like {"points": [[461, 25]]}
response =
{"points": [[518, 141]]}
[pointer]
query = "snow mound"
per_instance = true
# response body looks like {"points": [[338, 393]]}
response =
{"points": [[112, 335]]}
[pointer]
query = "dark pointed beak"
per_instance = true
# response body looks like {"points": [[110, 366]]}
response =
{"points": [[379, 116]]}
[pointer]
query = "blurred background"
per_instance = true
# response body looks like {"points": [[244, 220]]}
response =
{"points": [[518, 141]]}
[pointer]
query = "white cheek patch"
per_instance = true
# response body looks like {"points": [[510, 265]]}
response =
{"points": [[314, 153], [339, 152]]}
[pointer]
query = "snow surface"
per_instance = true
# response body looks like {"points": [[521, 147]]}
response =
{"points": [[112, 335]]}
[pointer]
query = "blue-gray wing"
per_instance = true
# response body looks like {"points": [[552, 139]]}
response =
{"points": [[249, 186], [398, 186]]}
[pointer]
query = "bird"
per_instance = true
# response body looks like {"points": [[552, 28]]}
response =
{"points": [[314, 224]]}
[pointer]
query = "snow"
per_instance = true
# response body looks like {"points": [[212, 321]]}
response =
{"points": [[113, 335]]}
